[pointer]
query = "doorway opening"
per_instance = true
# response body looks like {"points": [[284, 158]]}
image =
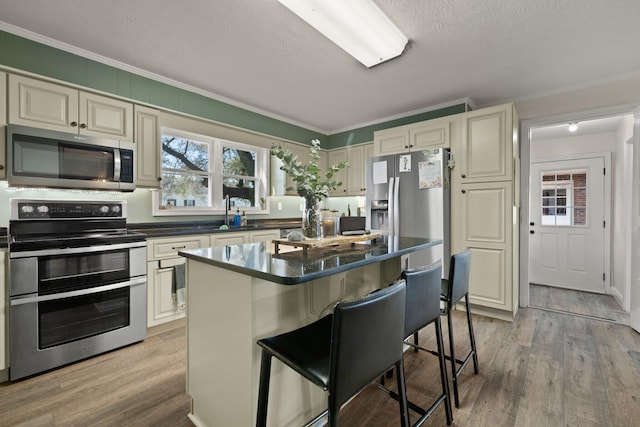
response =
{"points": [[575, 197]]}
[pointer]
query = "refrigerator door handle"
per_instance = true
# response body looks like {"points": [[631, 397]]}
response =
{"points": [[391, 211], [396, 208]]}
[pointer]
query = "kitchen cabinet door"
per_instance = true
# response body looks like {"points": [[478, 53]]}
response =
{"points": [[263, 235], [391, 141], [486, 152], [148, 146], [223, 239], [50, 106], [355, 172], [162, 256], [3, 124], [162, 307], [302, 152], [42, 104], [105, 117], [430, 134], [484, 225], [334, 157]]}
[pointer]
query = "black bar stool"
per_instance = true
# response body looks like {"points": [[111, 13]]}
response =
{"points": [[453, 290], [344, 351], [422, 309]]}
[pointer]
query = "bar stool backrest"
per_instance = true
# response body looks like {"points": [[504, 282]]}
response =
{"points": [[423, 297], [459, 276], [366, 341]]}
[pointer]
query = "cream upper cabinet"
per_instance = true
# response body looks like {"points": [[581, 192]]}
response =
{"points": [[357, 156], [148, 145], [424, 135], [47, 105], [353, 177], [3, 123], [430, 134], [486, 151], [391, 141], [334, 157], [281, 183]]}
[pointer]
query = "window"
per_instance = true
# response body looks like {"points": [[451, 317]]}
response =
{"points": [[564, 198], [199, 172]]}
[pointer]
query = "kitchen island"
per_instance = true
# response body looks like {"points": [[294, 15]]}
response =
{"points": [[238, 294]]}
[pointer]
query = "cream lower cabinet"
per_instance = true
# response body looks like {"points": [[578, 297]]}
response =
{"points": [[162, 257], [484, 223], [50, 106]]}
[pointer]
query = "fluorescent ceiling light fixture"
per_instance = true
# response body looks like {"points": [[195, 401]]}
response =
{"points": [[573, 127], [357, 26]]}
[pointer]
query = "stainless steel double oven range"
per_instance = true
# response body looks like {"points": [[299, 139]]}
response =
{"points": [[78, 284]]}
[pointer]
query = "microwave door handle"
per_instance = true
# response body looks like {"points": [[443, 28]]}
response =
{"points": [[117, 164]]}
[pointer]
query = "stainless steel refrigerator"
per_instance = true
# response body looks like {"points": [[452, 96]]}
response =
{"points": [[408, 195]]}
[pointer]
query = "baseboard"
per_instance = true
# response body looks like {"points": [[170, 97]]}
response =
{"points": [[489, 312], [617, 296]]}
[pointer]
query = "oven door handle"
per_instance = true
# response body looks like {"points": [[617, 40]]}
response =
{"points": [[29, 299], [80, 250]]}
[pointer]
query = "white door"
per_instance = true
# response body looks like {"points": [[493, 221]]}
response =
{"points": [[567, 220]]}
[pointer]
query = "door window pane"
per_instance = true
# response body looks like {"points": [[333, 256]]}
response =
{"points": [[564, 197]]}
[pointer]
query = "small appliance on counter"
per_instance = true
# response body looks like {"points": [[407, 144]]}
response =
{"points": [[352, 225]]}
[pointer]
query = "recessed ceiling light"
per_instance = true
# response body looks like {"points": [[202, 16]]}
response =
{"points": [[573, 127], [357, 26]]}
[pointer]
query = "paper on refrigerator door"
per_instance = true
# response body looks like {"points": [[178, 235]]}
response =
{"points": [[380, 172]]}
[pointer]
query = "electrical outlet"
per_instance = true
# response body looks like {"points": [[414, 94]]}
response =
{"points": [[301, 207], [279, 206]]}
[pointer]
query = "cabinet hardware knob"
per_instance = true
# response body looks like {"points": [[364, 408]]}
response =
{"points": [[532, 223], [532, 232], [464, 175], [83, 126], [1, 167], [73, 124], [464, 191], [159, 178]]}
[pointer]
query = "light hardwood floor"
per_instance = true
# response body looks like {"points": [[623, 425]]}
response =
{"points": [[544, 369], [582, 303]]}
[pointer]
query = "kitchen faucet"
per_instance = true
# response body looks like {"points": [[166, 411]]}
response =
{"points": [[227, 206]]}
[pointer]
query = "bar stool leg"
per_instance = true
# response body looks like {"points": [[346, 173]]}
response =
{"points": [[443, 372], [402, 394], [454, 370], [472, 337], [263, 390]]}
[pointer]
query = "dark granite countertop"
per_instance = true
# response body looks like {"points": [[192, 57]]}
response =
{"points": [[166, 229], [292, 268]]}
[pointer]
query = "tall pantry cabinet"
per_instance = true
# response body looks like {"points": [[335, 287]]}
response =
{"points": [[485, 206]]}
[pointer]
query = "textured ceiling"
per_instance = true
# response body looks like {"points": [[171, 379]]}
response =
{"points": [[262, 56]]}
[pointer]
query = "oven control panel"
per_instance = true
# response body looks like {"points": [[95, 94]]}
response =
{"points": [[53, 209]]}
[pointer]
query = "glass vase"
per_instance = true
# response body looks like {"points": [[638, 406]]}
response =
{"points": [[311, 221]]}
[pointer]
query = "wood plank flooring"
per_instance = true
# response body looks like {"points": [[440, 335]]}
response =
{"points": [[544, 369], [576, 302]]}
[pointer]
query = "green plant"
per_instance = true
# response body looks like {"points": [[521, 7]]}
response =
{"points": [[309, 180], [310, 183]]}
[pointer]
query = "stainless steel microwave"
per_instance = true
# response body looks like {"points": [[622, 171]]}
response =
{"points": [[43, 158]]}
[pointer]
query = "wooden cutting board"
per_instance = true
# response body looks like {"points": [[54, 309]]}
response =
{"points": [[323, 243]]}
